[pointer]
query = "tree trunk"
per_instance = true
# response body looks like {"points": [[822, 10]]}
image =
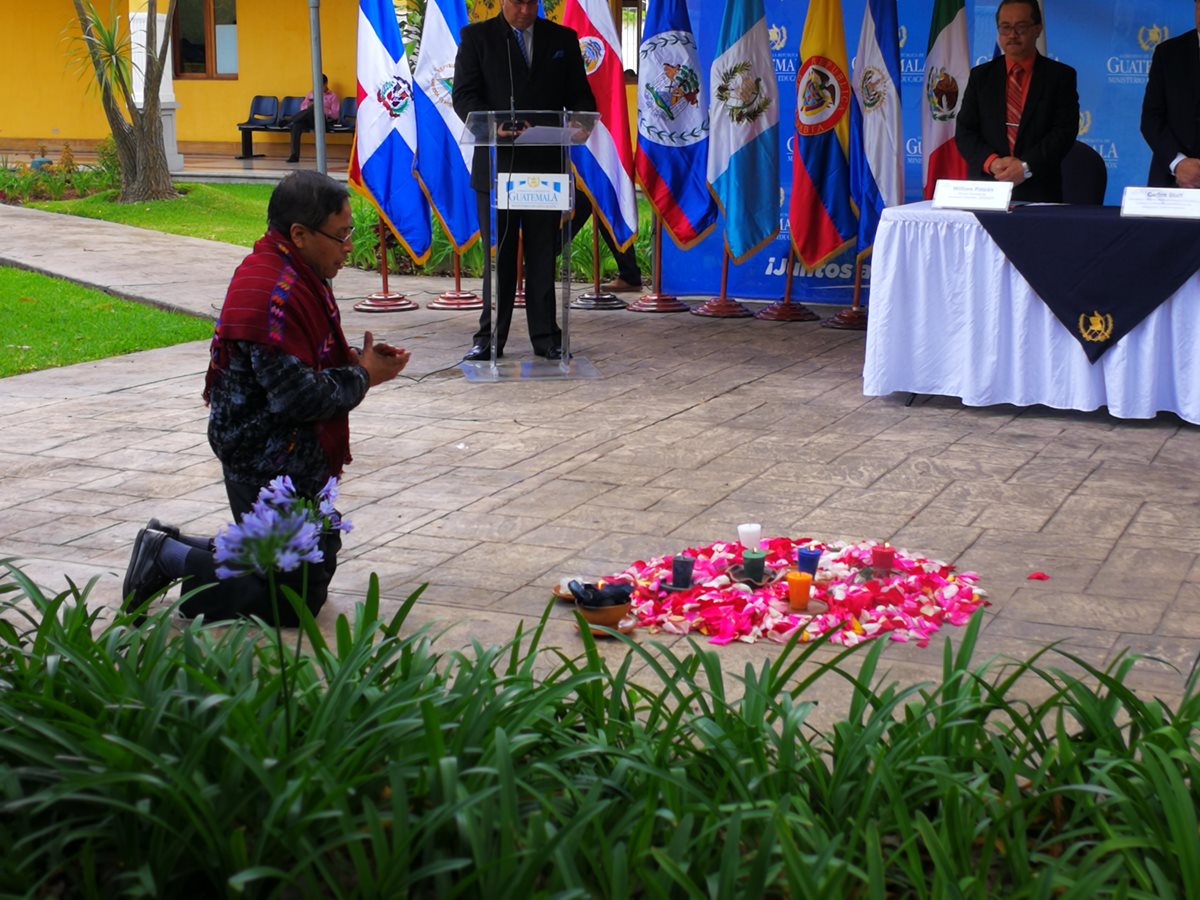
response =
{"points": [[137, 132]]}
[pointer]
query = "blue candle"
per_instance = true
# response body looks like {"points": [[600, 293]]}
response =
{"points": [[807, 559]]}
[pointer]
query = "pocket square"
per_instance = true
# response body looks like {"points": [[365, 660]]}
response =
{"points": [[558, 54]]}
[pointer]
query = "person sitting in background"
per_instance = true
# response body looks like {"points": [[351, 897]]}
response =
{"points": [[305, 119]]}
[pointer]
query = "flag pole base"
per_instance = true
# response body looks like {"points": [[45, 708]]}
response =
{"points": [[597, 301], [658, 303], [382, 303], [519, 298], [455, 300], [786, 311], [722, 308], [852, 318]]}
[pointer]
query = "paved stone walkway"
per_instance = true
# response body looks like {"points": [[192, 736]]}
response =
{"points": [[490, 492]]}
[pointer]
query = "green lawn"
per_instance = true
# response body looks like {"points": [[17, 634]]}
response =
{"points": [[234, 213], [49, 322]]}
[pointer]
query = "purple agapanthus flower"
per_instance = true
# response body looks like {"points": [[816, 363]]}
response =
{"points": [[279, 533]]}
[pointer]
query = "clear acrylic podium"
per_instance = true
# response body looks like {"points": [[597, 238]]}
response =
{"points": [[552, 188]]}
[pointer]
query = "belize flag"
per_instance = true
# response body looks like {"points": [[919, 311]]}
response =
{"points": [[822, 217], [672, 148], [876, 133], [605, 162], [743, 143], [443, 165], [385, 141]]}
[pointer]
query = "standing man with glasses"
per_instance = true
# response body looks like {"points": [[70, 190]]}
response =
{"points": [[1020, 111], [280, 386], [516, 60], [1171, 111]]}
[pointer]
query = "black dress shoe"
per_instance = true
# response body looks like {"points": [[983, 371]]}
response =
{"points": [[144, 578], [479, 352], [552, 353]]}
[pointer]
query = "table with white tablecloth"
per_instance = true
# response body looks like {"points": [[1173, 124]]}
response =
{"points": [[951, 315]]}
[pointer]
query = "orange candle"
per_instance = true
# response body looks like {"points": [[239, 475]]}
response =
{"points": [[799, 590]]}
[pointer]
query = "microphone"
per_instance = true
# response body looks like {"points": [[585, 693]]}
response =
{"points": [[511, 124]]}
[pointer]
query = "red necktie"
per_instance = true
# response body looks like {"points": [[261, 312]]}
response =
{"points": [[1013, 105]]}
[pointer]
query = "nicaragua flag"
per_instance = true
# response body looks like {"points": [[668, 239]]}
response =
{"points": [[822, 217], [605, 162], [743, 143], [385, 140], [876, 133], [443, 165], [672, 147]]}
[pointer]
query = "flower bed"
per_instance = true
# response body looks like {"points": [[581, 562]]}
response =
{"points": [[851, 601]]}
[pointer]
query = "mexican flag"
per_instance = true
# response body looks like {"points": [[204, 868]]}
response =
{"points": [[947, 65]]}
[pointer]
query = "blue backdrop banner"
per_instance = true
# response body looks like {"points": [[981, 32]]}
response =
{"points": [[1108, 44]]}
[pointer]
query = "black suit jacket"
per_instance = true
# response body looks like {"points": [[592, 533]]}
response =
{"points": [[1171, 107], [1049, 124], [490, 74]]}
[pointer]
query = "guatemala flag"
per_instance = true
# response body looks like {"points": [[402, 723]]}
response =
{"points": [[743, 144], [672, 148], [385, 141], [876, 135], [605, 162], [443, 165], [822, 218]]}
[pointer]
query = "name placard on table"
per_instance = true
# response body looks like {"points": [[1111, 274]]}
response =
{"points": [[953, 194], [1161, 203]]}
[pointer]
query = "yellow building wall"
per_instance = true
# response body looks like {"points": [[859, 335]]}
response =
{"points": [[273, 58], [46, 99], [45, 95]]}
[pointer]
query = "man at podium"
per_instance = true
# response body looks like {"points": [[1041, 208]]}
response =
{"points": [[516, 61]]}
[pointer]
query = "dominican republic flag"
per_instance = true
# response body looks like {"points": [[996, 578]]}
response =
{"points": [[743, 143], [822, 218], [443, 165], [605, 162], [876, 132], [385, 140], [672, 148], [947, 65]]}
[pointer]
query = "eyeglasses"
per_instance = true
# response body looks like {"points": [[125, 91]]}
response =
{"points": [[1020, 29], [531, 2], [334, 237]]}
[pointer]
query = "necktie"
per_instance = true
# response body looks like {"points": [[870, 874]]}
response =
{"points": [[1013, 105], [521, 43]]}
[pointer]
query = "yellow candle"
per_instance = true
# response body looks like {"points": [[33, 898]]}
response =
{"points": [[799, 590]]}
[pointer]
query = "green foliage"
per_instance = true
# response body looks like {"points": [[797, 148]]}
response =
{"points": [[50, 322], [235, 213], [158, 761]]}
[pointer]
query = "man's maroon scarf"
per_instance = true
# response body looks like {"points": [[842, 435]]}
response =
{"points": [[277, 301]]}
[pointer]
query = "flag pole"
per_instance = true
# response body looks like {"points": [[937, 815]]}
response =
{"points": [[854, 317], [519, 291], [596, 298], [457, 298], [656, 301], [721, 307], [785, 310], [385, 300]]}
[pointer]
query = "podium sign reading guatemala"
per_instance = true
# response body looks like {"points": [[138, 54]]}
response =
{"points": [[743, 151], [385, 141], [672, 148]]}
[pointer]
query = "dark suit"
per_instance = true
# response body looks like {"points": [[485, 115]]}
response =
{"points": [[1171, 107], [490, 74], [1049, 124]]}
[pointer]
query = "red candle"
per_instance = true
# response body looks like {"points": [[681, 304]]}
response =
{"points": [[883, 557]]}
